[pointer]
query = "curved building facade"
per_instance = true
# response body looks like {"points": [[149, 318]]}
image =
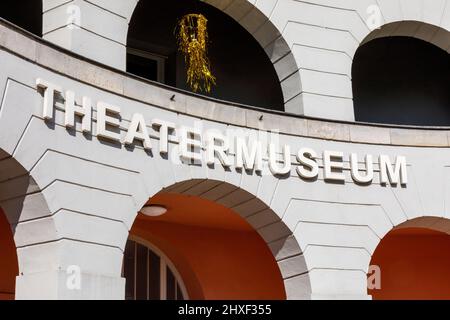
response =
{"points": [[317, 168]]}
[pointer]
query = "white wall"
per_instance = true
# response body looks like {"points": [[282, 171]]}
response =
{"points": [[93, 190]]}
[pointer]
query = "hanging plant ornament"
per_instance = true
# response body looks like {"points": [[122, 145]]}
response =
{"points": [[192, 36]]}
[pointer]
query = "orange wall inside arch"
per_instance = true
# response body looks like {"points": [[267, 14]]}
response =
{"points": [[9, 268], [415, 264], [217, 253]]}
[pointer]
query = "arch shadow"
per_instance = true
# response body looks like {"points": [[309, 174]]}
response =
{"points": [[21, 200]]}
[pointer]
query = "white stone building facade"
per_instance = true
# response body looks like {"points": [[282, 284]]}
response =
{"points": [[71, 197]]}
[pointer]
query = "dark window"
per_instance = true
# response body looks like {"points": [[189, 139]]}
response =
{"points": [[142, 67], [171, 285], [141, 272], [402, 80], [154, 275], [128, 269], [179, 294], [27, 14], [146, 273]]}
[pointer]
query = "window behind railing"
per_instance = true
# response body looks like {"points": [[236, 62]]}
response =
{"points": [[149, 275]]}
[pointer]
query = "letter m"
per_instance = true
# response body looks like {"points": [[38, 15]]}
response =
{"points": [[393, 174], [249, 156]]}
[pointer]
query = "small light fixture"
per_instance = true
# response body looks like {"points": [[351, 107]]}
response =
{"points": [[153, 210]]}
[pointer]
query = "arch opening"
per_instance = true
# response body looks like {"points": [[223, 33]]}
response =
{"points": [[413, 262], [244, 71], [26, 14], [14, 183], [9, 265], [402, 79], [218, 254]]}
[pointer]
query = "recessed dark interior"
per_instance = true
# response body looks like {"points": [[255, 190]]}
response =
{"points": [[145, 68], [402, 80], [243, 70], [27, 14]]}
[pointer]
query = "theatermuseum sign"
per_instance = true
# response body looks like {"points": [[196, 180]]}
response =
{"points": [[205, 147]]}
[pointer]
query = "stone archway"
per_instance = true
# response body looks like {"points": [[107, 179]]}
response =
{"points": [[22, 205], [433, 34], [255, 20], [217, 202], [411, 59]]}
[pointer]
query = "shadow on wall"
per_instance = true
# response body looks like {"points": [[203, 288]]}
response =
{"points": [[402, 80], [243, 70], [15, 185], [217, 253]]}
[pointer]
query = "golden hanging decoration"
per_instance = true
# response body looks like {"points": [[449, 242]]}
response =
{"points": [[192, 36]]}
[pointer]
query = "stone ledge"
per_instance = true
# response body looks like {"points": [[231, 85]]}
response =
{"points": [[50, 56]]}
